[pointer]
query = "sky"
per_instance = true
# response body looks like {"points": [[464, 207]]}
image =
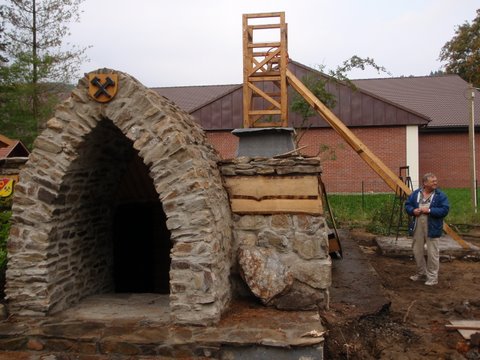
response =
{"points": [[199, 42]]}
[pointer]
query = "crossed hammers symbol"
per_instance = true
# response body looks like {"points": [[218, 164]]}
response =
{"points": [[102, 88]]}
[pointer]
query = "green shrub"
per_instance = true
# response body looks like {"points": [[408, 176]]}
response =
{"points": [[5, 214]]}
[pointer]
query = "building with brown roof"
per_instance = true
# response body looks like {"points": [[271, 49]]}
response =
{"points": [[444, 146], [420, 122]]}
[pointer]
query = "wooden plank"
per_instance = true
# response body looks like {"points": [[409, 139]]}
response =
{"points": [[264, 112], [274, 194], [260, 187], [264, 45], [466, 328], [277, 206], [283, 69], [387, 175], [255, 118], [264, 78], [266, 60], [259, 124], [260, 53], [247, 64], [263, 73], [263, 15], [265, 26]]}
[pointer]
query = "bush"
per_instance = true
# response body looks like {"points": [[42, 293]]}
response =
{"points": [[5, 213]]}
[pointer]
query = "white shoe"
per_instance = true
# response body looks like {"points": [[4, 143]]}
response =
{"points": [[417, 277], [431, 282]]}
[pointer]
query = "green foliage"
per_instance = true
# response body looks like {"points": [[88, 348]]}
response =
{"points": [[355, 62], [374, 211], [317, 86], [16, 119], [462, 52], [5, 213], [355, 210], [461, 211], [3, 43], [32, 39], [385, 219], [35, 31]]}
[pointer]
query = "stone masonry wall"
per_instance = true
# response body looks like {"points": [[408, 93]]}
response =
{"points": [[283, 258], [60, 246]]}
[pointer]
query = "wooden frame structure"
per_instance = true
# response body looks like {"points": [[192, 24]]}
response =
{"points": [[267, 62], [264, 71]]}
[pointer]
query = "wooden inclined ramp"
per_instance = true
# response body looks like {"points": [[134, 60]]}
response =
{"points": [[387, 175]]}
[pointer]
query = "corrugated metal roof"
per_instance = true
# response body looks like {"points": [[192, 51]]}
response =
{"points": [[358, 107], [441, 98], [190, 98], [219, 107]]}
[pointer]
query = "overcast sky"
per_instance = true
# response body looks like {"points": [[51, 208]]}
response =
{"points": [[199, 42]]}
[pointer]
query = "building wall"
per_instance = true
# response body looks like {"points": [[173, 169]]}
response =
{"points": [[224, 142], [448, 156], [343, 169], [445, 154], [412, 154]]}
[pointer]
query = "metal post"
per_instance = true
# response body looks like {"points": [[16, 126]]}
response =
{"points": [[471, 132], [363, 196]]}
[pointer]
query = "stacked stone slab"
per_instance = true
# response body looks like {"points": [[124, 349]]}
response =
{"points": [[60, 246], [283, 258]]}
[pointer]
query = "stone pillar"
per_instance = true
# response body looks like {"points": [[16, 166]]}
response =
{"points": [[282, 256]]}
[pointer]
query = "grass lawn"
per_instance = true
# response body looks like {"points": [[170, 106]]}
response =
{"points": [[353, 210]]}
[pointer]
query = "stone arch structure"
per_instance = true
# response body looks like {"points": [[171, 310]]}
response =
{"points": [[60, 246]]}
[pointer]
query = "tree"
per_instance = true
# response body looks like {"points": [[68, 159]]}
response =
{"points": [[35, 31], [462, 52], [3, 44]]}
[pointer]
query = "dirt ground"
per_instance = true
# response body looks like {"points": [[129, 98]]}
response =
{"points": [[413, 327]]}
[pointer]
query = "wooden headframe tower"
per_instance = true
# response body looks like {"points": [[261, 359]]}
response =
{"points": [[265, 102], [266, 62]]}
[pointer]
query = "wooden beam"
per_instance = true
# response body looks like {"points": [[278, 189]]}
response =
{"points": [[258, 187], [277, 206], [264, 78], [264, 45], [264, 95], [263, 15], [283, 70], [387, 175], [274, 194], [267, 59], [263, 124], [264, 112], [265, 26]]}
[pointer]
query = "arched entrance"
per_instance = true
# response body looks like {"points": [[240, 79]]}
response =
{"points": [[109, 190]]}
